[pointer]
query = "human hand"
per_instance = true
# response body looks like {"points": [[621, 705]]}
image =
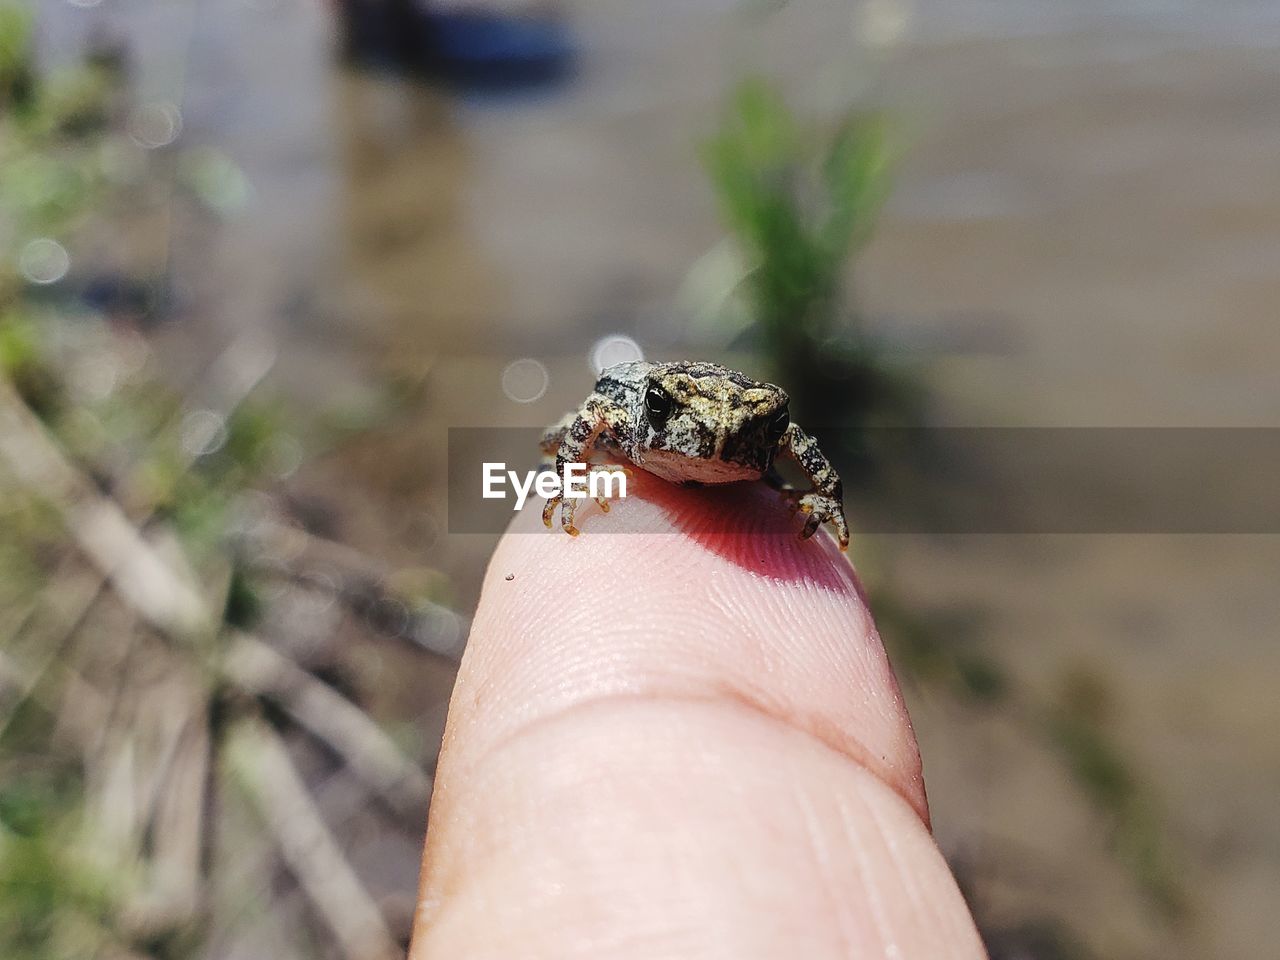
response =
{"points": [[672, 739]]}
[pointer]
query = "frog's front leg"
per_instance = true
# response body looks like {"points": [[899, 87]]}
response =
{"points": [[825, 502], [551, 440], [573, 440]]}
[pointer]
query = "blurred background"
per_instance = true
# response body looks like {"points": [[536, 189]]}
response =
{"points": [[257, 257]]}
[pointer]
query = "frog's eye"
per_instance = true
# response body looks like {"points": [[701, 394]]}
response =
{"points": [[657, 404], [777, 425]]}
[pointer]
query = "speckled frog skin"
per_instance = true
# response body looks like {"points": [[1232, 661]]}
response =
{"points": [[696, 422]]}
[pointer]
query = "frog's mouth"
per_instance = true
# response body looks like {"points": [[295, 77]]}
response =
{"points": [[678, 468]]}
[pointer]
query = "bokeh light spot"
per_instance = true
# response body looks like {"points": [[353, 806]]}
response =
{"points": [[525, 380], [882, 23], [154, 125], [324, 588], [44, 261], [203, 432], [286, 456], [612, 349], [439, 629], [390, 616]]}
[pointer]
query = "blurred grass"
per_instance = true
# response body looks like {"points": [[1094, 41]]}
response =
{"points": [[800, 200], [16, 54], [143, 534], [800, 203], [1078, 724]]}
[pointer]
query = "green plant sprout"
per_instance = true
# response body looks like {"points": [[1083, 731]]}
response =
{"points": [[800, 201]]}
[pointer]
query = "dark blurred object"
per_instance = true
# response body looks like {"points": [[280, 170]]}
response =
{"points": [[130, 299], [471, 47]]}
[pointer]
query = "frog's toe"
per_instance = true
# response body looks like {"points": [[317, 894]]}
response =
{"points": [[842, 527], [819, 509], [604, 501], [549, 511], [811, 524], [567, 509]]}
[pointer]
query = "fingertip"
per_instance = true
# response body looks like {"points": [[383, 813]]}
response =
{"points": [[684, 688], [693, 592]]}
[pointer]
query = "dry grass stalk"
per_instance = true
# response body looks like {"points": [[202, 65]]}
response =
{"points": [[260, 670], [262, 763]]}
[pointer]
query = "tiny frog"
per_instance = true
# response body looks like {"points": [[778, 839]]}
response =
{"points": [[692, 422]]}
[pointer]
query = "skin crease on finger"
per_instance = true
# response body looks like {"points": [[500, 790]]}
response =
{"points": [[678, 735]]}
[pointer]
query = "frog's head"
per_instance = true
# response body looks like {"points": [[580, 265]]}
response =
{"points": [[706, 423]]}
